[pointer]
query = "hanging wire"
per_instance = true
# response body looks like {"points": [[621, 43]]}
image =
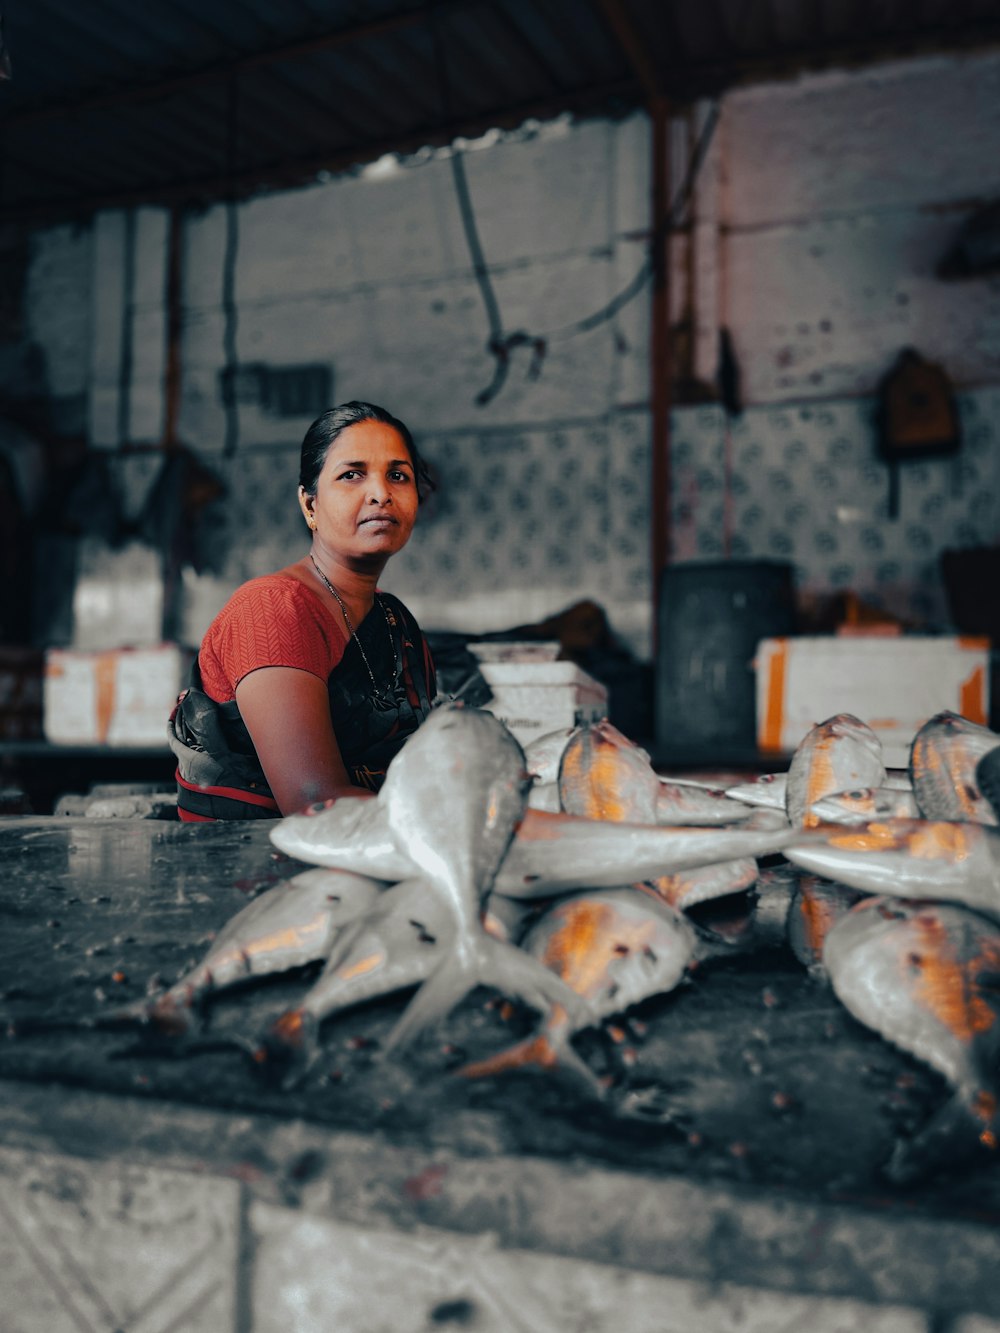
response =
{"points": [[501, 344], [125, 354], [230, 396]]}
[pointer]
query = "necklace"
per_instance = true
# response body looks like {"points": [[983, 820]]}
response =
{"points": [[386, 699]]}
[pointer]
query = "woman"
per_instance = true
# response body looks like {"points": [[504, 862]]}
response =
{"points": [[309, 680]]}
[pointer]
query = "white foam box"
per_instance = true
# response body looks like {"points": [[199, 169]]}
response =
{"points": [[532, 698], [118, 698], [894, 684]]}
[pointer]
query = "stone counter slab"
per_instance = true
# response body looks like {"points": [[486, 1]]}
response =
{"points": [[758, 1076]]}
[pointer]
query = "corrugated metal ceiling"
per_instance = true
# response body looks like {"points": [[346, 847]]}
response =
{"points": [[116, 101]]}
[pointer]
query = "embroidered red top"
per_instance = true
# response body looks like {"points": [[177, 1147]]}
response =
{"points": [[270, 621]]}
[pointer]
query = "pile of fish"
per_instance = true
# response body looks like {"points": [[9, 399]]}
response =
{"points": [[562, 877]]}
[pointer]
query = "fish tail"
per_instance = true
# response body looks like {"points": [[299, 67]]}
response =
{"points": [[519, 974], [548, 1050], [965, 1125], [289, 1047], [489, 962], [447, 985]]}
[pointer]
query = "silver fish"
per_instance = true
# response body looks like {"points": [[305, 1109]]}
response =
{"points": [[396, 945], [399, 943], [687, 888], [907, 858], [603, 775], [613, 948], [926, 976], [767, 790], [814, 909], [544, 796], [943, 759], [452, 798], [695, 804], [861, 807], [289, 925], [550, 854], [542, 755], [840, 754], [558, 853]]}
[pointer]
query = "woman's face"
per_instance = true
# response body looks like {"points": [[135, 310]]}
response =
{"points": [[366, 496]]}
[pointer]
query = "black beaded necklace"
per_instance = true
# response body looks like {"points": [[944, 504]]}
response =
{"points": [[385, 699]]}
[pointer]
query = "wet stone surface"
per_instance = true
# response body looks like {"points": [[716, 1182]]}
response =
{"points": [[750, 1072]]}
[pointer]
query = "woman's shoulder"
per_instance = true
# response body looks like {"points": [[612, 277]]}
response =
{"points": [[272, 590]]}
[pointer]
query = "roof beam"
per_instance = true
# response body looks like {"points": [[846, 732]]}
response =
{"points": [[632, 45], [144, 92], [289, 173]]}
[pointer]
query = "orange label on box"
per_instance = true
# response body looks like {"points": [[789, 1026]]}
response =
{"points": [[973, 697], [770, 732]]}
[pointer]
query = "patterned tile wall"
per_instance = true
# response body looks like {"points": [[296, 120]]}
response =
{"points": [[804, 484], [525, 521]]}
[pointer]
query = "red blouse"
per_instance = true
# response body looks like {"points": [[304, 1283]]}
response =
{"points": [[271, 621]]}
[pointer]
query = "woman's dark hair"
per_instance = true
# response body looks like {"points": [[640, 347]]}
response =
{"points": [[325, 429]]}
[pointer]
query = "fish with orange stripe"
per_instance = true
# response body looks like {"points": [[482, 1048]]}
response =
{"points": [[288, 926], [613, 948], [395, 946], [926, 977], [815, 908], [943, 760], [603, 775], [907, 858], [840, 754]]}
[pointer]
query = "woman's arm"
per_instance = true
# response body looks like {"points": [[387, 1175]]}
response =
{"points": [[287, 713]]}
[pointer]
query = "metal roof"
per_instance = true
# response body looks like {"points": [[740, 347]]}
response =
{"points": [[117, 102]]}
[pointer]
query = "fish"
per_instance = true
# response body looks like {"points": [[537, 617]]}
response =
{"points": [[550, 853], [396, 945], [693, 804], [907, 858], [544, 796], [452, 798], [943, 759], [554, 854], [603, 775], [542, 755], [614, 948], [290, 925], [926, 977], [700, 884], [861, 807], [767, 790], [770, 789], [345, 833], [815, 907], [840, 754]]}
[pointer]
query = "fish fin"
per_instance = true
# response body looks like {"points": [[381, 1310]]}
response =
{"points": [[965, 1125], [289, 1048], [548, 1050]]}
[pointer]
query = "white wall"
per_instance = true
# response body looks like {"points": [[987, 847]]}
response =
{"points": [[818, 220]]}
